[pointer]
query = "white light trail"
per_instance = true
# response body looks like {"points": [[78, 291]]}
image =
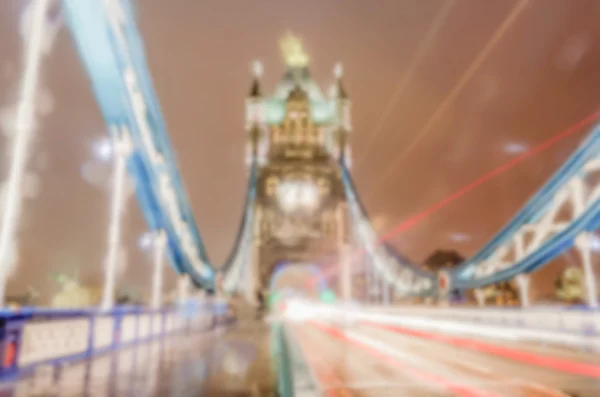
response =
{"points": [[24, 125]]}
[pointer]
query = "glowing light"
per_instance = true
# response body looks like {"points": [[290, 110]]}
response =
{"points": [[257, 68], [297, 311], [594, 243], [24, 126], [338, 70], [515, 148], [103, 149], [293, 51], [309, 196], [327, 296], [460, 237], [294, 195], [145, 241]]}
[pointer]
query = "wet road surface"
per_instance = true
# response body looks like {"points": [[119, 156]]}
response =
{"points": [[228, 362], [360, 361], [364, 360]]}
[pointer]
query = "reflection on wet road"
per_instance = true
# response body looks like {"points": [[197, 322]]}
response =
{"points": [[361, 360], [228, 362], [364, 360]]}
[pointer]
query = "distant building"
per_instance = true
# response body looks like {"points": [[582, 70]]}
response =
{"points": [[444, 260], [501, 294], [72, 295]]}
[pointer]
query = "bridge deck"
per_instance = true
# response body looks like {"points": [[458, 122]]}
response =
{"points": [[228, 362]]}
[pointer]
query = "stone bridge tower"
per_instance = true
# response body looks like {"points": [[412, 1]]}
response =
{"points": [[298, 136]]}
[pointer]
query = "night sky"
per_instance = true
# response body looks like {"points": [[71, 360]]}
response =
{"points": [[407, 81]]}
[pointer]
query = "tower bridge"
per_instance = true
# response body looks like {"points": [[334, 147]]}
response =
{"points": [[302, 210], [297, 138]]}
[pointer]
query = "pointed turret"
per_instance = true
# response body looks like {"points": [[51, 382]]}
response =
{"points": [[257, 71], [253, 102], [254, 138], [254, 120], [340, 91], [339, 95]]}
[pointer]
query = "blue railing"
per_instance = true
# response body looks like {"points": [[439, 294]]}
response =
{"points": [[32, 337]]}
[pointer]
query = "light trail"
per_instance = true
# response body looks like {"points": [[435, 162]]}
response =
{"points": [[390, 356], [473, 68], [424, 48], [558, 364], [415, 219], [332, 385], [492, 174]]}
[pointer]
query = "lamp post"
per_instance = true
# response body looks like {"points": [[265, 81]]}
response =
{"points": [[584, 243], [122, 148], [24, 127], [183, 288], [159, 245], [523, 282]]}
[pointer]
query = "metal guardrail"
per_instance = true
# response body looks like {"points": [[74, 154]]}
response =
{"points": [[295, 378], [32, 337], [282, 361]]}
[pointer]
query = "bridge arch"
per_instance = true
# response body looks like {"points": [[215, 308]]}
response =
{"points": [[315, 272]]}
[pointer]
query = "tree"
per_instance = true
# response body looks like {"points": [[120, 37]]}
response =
{"points": [[570, 285], [502, 293], [29, 298], [443, 260]]}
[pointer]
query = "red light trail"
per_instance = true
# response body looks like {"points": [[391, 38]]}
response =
{"points": [[413, 220]]}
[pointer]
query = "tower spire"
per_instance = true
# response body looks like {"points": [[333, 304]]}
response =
{"points": [[339, 90], [257, 71]]}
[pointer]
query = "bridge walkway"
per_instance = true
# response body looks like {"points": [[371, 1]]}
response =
{"points": [[228, 362]]}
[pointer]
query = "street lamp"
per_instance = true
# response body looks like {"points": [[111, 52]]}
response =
{"points": [[157, 243], [122, 146], [146, 241], [103, 149], [25, 118]]}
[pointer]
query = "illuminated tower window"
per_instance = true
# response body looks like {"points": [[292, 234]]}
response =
{"points": [[323, 186], [271, 186], [310, 137], [325, 224], [305, 122], [314, 136], [282, 136], [298, 138]]}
